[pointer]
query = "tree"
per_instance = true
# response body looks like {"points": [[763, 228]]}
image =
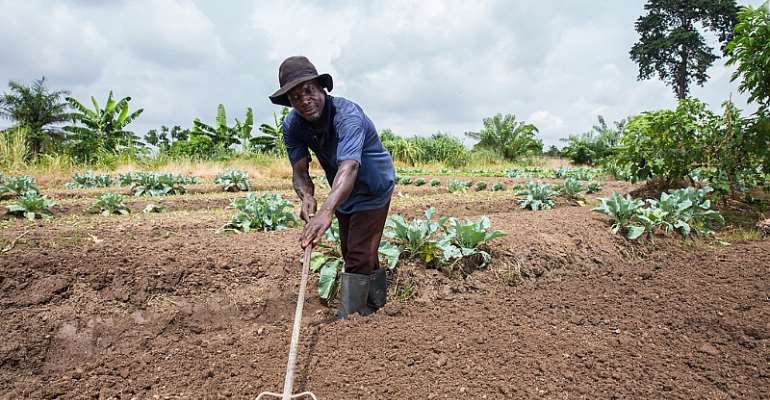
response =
{"points": [[104, 128], [594, 146], [671, 43], [35, 108], [223, 135], [164, 138], [553, 151], [750, 52], [510, 138], [271, 141]]}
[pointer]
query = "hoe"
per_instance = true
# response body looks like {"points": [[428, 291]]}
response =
{"points": [[289, 381]]}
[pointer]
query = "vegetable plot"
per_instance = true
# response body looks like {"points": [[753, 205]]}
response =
{"points": [[89, 180], [268, 212], [31, 205], [687, 211], [233, 181]]}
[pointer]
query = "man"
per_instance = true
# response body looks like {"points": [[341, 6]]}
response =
{"points": [[358, 169]]}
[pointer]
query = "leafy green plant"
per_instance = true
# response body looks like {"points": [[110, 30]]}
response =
{"points": [[405, 180], [688, 210], [481, 185], [89, 180], [457, 186], [539, 196], [435, 182], [498, 187], [419, 182], [593, 187], [572, 189], [622, 212], [31, 205], [749, 52], [416, 237], [18, 185], [233, 181], [110, 203], [268, 212], [151, 184], [465, 241], [509, 138], [153, 208]]}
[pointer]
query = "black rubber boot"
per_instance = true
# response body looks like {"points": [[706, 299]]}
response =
{"points": [[354, 291], [378, 290]]}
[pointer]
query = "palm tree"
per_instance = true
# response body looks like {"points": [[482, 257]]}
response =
{"points": [[510, 138], [35, 108], [104, 128]]}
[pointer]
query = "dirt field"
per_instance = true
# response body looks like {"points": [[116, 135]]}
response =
{"points": [[163, 306]]}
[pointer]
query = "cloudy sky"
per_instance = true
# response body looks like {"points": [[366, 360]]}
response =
{"points": [[416, 67]]}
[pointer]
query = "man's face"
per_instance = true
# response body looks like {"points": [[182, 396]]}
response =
{"points": [[308, 99]]}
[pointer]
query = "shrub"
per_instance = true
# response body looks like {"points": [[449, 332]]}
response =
{"points": [[268, 212], [31, 205], [539, 196], [233, 181]]}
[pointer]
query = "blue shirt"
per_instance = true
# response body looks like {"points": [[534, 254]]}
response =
{"points": [[346, 134]]}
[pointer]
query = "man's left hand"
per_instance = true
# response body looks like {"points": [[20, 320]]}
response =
{"points": [[314, 230]]}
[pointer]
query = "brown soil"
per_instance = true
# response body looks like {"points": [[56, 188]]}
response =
{"points": [[162, 306]]}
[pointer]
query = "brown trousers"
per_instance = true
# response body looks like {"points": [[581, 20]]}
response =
{"points": [[360, 235]]}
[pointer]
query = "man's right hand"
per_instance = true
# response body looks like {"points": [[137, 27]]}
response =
{"points": [[307, 209]]}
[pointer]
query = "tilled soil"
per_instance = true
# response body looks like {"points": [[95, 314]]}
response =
{"points": [[162, 306]]}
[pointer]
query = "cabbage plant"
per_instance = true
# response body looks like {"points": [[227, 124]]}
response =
{"points": [[268, 212], [110, 203], [233, 181], [622, 212], [89, 180], [31, 205], [538, 196], [18, 185]]}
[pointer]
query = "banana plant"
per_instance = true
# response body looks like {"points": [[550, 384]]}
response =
{"points": [[103, 128], [271, 140], [223, 135]]}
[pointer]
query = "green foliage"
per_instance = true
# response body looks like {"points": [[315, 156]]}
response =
{"points": [[572, 189], [18, 185], [435, 182], [622, 211], [510, 138], [465, 240], [271, 140], [687, 211], [671, 44], [223, 135], [233, 181], [481, 185], [110, 203], [458, 186], [440, 147], [593, 146], [405, 180], [153, 184], [498, 187], [36, 108], [749, 51], [268, 212], [419, 182], [593, 187], [89, 180], [153, 208], [102, 130], [166, 137], [416, 237], [31, 205], [539, 196], [196, 146]]}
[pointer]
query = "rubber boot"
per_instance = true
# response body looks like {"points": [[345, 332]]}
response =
{"points": [[354, 291], [378, 290]]}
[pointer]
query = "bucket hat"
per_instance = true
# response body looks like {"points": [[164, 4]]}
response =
{"points": [[293, 71]]}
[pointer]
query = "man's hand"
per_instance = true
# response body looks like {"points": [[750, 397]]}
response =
{"points": [[314, 230], [307, 209]]}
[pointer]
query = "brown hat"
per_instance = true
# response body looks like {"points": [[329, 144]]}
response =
{"points": [[292, 72]]}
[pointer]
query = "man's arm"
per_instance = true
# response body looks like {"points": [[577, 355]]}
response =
{"points": [[343, 185], [304, 187]]}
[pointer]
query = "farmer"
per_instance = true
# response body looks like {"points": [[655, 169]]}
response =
{"points": [[358, 169]]}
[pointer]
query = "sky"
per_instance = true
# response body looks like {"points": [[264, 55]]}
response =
{"points": [[416, 67]]}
